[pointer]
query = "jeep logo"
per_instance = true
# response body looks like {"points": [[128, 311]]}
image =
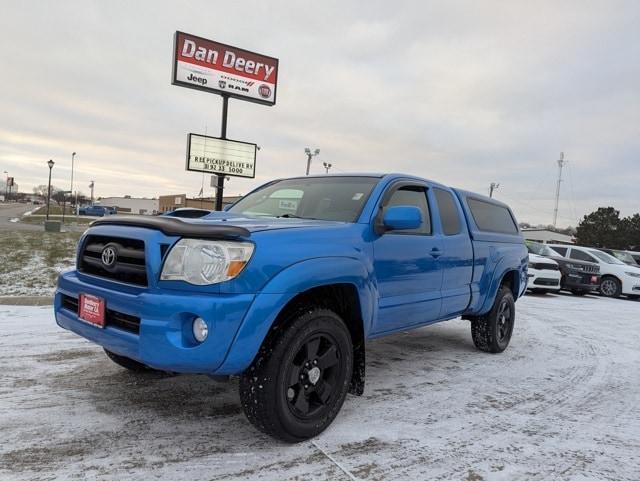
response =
{"points": [[200, 80]]}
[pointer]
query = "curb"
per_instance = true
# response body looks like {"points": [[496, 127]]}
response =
{"points": [[26, 300]]}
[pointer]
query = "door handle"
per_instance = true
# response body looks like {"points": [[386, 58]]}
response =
{"points": [[435, 252]]}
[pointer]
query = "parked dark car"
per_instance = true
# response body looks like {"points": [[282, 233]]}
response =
{"points": [[579, 277], [188, 213]]}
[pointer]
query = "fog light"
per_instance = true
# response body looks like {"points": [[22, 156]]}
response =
{"points": [[200, 329]]}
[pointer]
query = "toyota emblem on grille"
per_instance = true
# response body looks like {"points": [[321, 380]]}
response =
{"points": [[108, 256]]}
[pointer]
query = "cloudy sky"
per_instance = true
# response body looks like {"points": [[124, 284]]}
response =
{"points": [[463, 92]]}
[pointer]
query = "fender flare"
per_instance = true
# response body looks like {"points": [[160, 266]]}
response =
{"points": [[498, 275], [281, 289]]}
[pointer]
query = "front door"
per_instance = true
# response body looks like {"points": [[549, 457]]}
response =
{"points": [[406, 265]]}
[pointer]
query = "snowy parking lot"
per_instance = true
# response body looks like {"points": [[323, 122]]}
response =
{"points": [[561, 403]]}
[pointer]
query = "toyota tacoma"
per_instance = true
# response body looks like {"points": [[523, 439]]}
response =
{"points": [[286, 287]]}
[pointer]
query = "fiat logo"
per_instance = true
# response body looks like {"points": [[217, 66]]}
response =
{"points": [[264, 91], [108, 256]]}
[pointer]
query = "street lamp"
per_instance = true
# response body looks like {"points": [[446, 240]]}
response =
{"points": [[327, 166], [310, 154], [73, 156], [50, 164]]}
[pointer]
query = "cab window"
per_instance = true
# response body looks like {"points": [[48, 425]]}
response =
{"points": [[413, 195], [448, 212]]}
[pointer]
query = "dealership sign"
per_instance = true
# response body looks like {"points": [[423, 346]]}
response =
{"points": [[218, 156], [215, 67]]}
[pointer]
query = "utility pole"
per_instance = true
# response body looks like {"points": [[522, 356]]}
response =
{"points": [[310, 155], [561, 163], [327, 166], [493, 186], [91, 187]]}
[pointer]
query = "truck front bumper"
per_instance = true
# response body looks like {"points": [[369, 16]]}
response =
{"points": [[163, 321]]}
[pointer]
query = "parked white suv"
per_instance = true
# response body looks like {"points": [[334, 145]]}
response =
{"points": [[617, 277], [544, 274]]}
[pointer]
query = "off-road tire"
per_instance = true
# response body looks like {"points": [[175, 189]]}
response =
{"points": [[128, 363], [488, 332], [610, 287], [269, 386]]}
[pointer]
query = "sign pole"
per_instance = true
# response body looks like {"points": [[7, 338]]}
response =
{"points": [[223, 135]]}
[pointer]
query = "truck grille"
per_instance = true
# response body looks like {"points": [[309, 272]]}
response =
{"points": [[120, 320], [591, 269], [124, 262], [544, 266]]}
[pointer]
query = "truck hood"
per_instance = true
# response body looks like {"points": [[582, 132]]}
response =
{"points": [[256, 224]]}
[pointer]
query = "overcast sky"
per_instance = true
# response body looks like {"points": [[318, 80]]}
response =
{"points": [[462, 92]]}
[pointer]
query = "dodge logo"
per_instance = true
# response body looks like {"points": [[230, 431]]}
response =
{"points": [[108, 256]]}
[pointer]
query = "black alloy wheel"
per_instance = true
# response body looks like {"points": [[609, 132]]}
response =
{"points": [[505, 322], [299, 379], [492, 332], [312, 376]]}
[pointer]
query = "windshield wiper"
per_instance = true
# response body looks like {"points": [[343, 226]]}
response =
{"points": [[294, 216]]}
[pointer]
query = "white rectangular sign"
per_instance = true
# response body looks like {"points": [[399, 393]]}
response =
{"points": [[214, 155]]}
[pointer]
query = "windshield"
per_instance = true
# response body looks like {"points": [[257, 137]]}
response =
{"points": [[624, 257], [603, 256], [321, 198], [540, 249]]}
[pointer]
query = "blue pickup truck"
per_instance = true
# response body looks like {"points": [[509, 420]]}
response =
{"points": [[286, 287]]}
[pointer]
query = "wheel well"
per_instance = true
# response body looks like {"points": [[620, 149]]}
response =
{"points": [[512, 281], [610, 276], [344, 301]]}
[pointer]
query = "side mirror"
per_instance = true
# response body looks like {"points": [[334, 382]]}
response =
{"points": [[402, 217], [227, 207]]}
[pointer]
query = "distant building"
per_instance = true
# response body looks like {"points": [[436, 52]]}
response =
{"points": [[547, 236], [133, 205], [167, 203]]}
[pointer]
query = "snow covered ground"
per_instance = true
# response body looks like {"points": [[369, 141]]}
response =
{"points": [[563, 402]]}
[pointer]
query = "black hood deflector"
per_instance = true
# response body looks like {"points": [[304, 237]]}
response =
{"points": [[176, 227]]}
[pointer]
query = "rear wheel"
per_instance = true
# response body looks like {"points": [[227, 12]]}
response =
{"points": [[610, 287], [128, 363], [300, 378], [492, 332]]}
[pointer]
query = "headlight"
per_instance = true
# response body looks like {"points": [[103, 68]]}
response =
{"points": [[633, 274], [573, 266], [204, 262]]}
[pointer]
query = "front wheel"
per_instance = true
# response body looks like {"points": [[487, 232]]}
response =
{"points": [[492, 332], [299, 380]]}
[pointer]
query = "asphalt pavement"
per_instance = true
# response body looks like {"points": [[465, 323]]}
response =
{"points": [[10, 212]]}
